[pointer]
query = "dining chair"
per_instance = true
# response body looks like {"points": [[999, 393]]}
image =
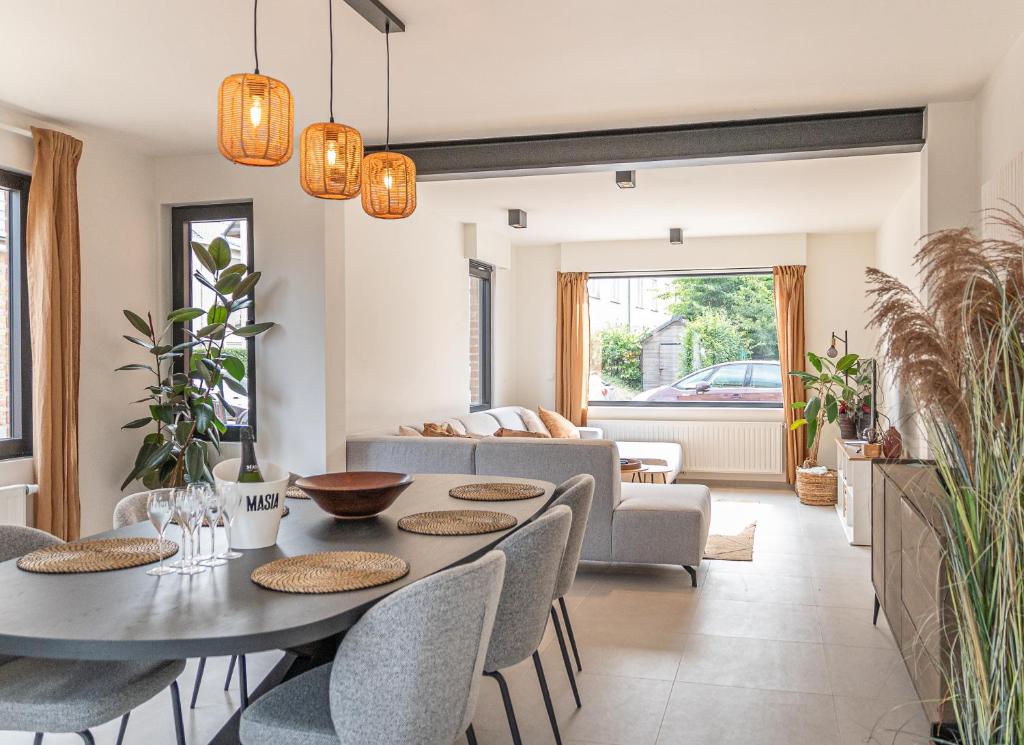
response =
{"points": [[406, 673], [577, 494], [533, 557], [42, 695], [134, 509]]}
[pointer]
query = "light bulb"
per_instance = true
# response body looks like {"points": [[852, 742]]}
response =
{"points": [[332, 154], [388, 179], [256, 111]]}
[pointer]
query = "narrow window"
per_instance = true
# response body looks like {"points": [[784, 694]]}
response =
{"points": [[480, 329], [15, 350]]}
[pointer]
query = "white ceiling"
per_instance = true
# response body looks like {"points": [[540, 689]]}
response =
{"points": [[471, 68], [797, 196]]}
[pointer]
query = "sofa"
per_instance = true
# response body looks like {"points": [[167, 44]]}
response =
{"points": [[629, 522]]}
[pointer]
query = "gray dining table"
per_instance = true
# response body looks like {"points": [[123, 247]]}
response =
{"points": [[130, 615]]}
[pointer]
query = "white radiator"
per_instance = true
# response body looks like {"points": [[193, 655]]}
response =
{"points": [[710, 447], [17, 504]]}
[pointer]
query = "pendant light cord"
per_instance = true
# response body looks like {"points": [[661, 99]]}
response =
{"points": [[330, 24], [387, 58], [255, 46]]}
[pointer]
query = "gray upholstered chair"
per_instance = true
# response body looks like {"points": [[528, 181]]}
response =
{"points": [[135, 509], [39, 695], [577, 494], [407, 673], [533, 555]]}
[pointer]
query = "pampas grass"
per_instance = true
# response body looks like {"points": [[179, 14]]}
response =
{"points": [[959, 349]]}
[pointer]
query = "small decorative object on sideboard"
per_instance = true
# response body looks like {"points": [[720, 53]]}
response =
{"points": [[355, 495], [892, 442], [872, 443]]}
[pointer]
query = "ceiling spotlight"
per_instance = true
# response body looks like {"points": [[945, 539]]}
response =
{"points": [[517, 218], [625, 179], [675, 236]]}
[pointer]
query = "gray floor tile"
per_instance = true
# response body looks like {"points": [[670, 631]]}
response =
{"points": [[754, 663]]}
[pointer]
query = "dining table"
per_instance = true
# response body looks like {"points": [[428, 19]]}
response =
{"points": [[127, 614]]}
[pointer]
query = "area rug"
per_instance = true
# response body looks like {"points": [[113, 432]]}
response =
{"points": [[736, 547]]}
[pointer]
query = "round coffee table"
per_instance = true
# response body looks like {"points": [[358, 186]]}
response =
{"points": [[651, 475]]}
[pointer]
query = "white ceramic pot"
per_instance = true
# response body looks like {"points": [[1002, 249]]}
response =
{"points": [[262, 504]]}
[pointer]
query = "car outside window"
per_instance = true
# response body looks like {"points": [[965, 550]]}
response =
{"points": [[729, 376], [766, 376]]}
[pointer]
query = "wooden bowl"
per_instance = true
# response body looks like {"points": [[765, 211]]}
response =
{"points": [[355, 495]]}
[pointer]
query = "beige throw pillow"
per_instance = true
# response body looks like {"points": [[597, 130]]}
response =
{"points": [[431, 429], [558, 425], [405, 431], [533, 422]]}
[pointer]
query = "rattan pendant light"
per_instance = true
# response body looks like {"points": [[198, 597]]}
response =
{"points": [[255, 116], [330, 154], [389, 178]]}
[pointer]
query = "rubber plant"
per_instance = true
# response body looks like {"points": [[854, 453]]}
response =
{"points": [[184, 407], [829, 385]]}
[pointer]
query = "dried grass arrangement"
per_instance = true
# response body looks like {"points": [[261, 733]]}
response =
{"points": [[959, 348]]}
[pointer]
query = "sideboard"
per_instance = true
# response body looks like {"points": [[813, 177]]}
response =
{"points": [[908, 575]]}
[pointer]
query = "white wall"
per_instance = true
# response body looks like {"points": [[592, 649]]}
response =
{"points": [[120, 269], [289, 232], [999, 111], [723, 252], [537, 268]]}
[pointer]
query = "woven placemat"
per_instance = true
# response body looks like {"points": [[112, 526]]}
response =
{"points": [[294, 492], [101, 555], [330, 571], [501, 491], [457, 522]]}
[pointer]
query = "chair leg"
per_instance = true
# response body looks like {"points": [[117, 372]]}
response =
{"points": [[565, 657], [231, 672], [874, 614], [38, 740], [179, 723], [506, 698], [471, 735], [87, 737], [693, 574], [547, 698], [243, 682], [123, 727], [198, 683], [572, 636]]}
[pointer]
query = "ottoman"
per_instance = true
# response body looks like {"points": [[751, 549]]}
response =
{"points": [[662, 524]]}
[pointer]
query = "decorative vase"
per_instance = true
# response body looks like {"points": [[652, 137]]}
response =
{"points": [[892, 443], [848, 427]]}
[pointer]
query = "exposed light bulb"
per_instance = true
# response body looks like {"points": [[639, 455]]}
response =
{"points": [[388, 179], [256, 111], [332, 154]]}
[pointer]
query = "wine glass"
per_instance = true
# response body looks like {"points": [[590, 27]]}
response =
{"points": [[213, 502], [160, 506], [189, 511], [231, 505], [200, 491]]}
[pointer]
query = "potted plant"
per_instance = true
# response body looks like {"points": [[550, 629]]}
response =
{"points": [[828, 385], [186, 408], [957, 347]]}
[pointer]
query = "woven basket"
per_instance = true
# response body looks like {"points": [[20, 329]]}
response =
{"points": [[818, 491]]}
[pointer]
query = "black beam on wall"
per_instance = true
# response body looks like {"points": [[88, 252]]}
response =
{"points": [[781, 138]]}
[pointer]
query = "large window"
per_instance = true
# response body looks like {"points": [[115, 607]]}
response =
{"points": [[479, 336], [15, 352], [233, 223], [684, 340]]}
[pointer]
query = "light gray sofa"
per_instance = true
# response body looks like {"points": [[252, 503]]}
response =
{"points": [[631, 523]]}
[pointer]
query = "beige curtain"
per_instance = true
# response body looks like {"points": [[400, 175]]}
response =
{"points": [[789, 312], [572, 356], [54, 300]]}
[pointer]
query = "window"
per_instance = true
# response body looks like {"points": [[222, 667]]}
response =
{"points": [[202, 224], [479, 336], [685, 340], [15, 352]]}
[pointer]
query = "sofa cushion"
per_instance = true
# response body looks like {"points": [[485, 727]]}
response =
{"points": [[661, 524], [411, 454], [406, 431], [509, 417], [479, 423], [503, 432], [532, 421], [431, 429], [668, 454], [558, 425]]}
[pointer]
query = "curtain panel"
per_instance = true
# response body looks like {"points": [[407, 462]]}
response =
{"points": [[54, 278], [572, 355], [789, 312]]}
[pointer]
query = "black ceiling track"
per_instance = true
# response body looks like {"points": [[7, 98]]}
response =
{"points": [[748, 140], [377, 15]]}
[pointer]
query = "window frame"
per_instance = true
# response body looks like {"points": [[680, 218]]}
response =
{"points": [[674, 274], [19, 444], [181, 272], [485, 272]]}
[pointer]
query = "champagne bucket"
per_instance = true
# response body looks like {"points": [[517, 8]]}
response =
{"points": [[262, 503]]}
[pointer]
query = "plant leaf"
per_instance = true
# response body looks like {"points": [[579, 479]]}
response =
{"points": [[245, 286], [236, 387], [254, 329], [138, 322], [235, 367], [218, 314], [205, 258], [141, 342], [195, 460], [846, 362], [831, 407], [220, 252], [181, 315], [135, 366], [798, 423], [138, 423], [815, 361], [235, 269], [227, 283]]}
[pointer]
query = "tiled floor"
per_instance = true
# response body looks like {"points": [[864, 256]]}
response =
{"points": [[778, 651]]}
